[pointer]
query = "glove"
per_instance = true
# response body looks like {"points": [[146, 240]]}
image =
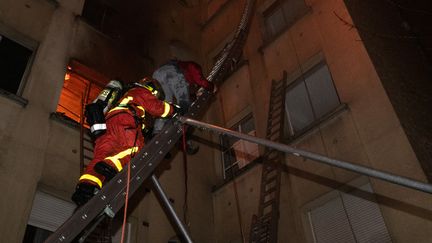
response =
{"points": [[83, 193], [178, 110]]}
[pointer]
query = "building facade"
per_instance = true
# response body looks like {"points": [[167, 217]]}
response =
{"points": [[339, 102]]}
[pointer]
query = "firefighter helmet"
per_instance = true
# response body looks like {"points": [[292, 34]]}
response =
{"points": [[153, 86]]}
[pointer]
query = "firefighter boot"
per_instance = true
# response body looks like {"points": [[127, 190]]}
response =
{"points": [[104, 169], [83, 193]]}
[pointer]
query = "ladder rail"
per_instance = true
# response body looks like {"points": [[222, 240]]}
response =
{"points": [[268, 208]]}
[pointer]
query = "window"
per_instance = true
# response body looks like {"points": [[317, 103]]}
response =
{"points": [[282, 15], [348, 218], [14, 60], [81, 86], [309, 99], [100, 15], [237, 153]]}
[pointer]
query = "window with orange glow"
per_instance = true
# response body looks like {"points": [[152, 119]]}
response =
{"points": [[78, 90]]}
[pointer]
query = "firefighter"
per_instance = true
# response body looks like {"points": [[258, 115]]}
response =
{"points": [[123, 137], [181, 80]]}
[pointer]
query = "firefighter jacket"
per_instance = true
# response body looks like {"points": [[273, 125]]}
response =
{"points": [[123, 137]]}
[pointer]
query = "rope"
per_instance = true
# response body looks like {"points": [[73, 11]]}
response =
{"points": [[127, 190]]}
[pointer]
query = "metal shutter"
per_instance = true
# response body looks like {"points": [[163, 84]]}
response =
{"points": [[366, 218], [330, 223], [49, 212], [349, 219]]}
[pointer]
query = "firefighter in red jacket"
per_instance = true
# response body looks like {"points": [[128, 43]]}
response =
{"points": [[181, 80], [123, 137]]}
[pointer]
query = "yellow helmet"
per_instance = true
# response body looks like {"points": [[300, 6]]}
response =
{"points": [[153, 86]]}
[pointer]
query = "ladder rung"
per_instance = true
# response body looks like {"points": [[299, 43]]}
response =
{"points": [[273, 131], [274, 109], [269, 173], [268, 215], [87, 157], [88, 149], [277, 84], [271, 124], [270, 180], [270, 120], [270, 199], [270, 190], [269, 166], [268, 203], [277, 99]]}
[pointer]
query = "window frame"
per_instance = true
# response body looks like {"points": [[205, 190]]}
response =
{"points": [[271, 8], [225, 174], [289, 133], [28, 43], [90, 79]]}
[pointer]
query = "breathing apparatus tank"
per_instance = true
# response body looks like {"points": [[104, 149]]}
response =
{"points": [[95, 112]]}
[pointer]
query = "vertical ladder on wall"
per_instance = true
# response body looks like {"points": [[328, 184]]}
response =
{"points": [[265, 223], [86, 150]]}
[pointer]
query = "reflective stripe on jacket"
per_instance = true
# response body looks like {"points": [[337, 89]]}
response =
{"points": [[142, 100]]}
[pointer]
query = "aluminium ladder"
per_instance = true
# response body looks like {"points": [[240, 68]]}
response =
{"points": [[112, 196]]}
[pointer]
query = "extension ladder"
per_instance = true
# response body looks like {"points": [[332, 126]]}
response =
{"points": [[112, 196], [264, 225]]}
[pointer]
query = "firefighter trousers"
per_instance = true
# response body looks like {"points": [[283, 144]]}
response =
{"points": [[122, 140]]}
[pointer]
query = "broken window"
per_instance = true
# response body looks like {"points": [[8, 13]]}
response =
{"points": [[237, 153], [282, 15], [310, 98], [14, 62], [81, 86]]}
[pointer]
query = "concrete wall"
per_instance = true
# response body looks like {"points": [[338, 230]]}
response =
{"points": [[107, 56], [368, 133], [38, 152], [26, 130]]}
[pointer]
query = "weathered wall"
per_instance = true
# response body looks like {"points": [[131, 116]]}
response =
{"points": [[39, 152], [171, 30], [368, 133], [26, 134], [36, 151], [107, 56]]}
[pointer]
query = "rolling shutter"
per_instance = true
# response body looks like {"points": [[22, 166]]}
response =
{"points": [[349, 218], [49, 212]]}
